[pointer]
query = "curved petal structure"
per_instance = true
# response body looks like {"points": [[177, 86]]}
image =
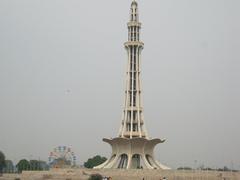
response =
{"points": [[136, 153]]}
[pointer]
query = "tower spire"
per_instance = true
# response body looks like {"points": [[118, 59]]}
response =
{"points": [[132, 125]]}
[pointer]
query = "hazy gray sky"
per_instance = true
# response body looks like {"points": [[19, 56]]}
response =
{"points": [[62, 66]]}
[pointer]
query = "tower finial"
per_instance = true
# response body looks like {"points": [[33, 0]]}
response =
{"points": [[134, 2], [134, 11]]}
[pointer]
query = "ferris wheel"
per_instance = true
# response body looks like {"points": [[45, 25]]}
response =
{"points": [[62, 156]]}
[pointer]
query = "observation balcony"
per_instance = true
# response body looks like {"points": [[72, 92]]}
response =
{"points": [[134, 134], [134, 108], [133, 43], [134, 23]]}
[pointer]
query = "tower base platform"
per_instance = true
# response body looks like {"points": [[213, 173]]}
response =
{"points": [[135, 153]]}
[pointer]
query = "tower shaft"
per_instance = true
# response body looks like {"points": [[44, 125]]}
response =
{"points": [[132, 125]]}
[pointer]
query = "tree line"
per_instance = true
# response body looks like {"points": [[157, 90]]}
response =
{"points": [[7, 166]]}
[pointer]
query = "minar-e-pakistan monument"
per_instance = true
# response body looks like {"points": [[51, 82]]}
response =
{"points": [[133, 148]]}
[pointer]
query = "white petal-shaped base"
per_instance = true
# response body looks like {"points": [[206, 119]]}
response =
{"points": [[133, 153]]}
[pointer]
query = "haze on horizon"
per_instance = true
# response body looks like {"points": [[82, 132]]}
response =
{"points": [[62, 66]]}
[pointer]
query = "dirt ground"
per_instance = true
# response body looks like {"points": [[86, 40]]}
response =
{"points": [[83, 174]]}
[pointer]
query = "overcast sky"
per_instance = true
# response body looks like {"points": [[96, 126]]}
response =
{"points": [[62, 66]]}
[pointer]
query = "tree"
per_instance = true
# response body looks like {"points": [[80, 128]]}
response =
{"points": [[95, 161], [225, 168], [184, 168], [43, 165], [37, 165], [9, 167], [23, 165], [95, 177], [2, 162], [34, 165]]}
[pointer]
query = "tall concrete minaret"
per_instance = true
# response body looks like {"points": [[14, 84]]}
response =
{"points": [[133, 149], [132, 120]]}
